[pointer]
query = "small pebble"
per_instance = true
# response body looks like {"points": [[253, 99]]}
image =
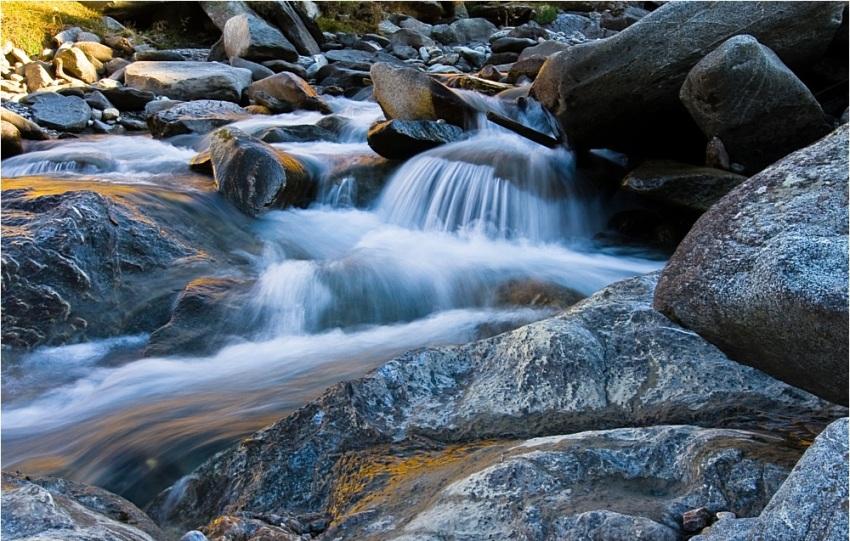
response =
{"points": [[724, 515]]}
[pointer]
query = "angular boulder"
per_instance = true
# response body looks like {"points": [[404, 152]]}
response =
{"points": [[93, 49], [409, 94], [76, 64], [622, 92], [36, 76], [254, 176], [198, 116], [609, 361], [50, 508], [286, 17], [286, 91], [66, 113], [742, 93], [763, 273], [691, 186], [810, 504], [189, 80], [401, 139], [248, 36], [474, 30]]}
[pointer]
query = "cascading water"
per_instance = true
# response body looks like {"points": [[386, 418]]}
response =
{"points": [[336, 291]]}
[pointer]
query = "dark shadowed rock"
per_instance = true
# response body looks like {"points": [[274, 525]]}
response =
{"points": [[508, 44], [472, 30], [609, 361], [810, 504], [11, 139], [60, 510], [258, 71], [128, 99], [278, 66], [408, 94], [622, 92], [27, 128], [333, 75], [763, 273], [67, 113], [254, 176], [290, 89], [249, 36], [198, 116], [742, 93], [189, 80], [285, 16], [401, 139], [682, 184], [410, 38], [221, 12]]}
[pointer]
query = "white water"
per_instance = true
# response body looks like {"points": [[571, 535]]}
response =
{"points": [[338, 290]]}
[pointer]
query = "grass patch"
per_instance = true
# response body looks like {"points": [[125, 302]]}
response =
{"points": [[30, 25], [352, 17], [545, 13]]}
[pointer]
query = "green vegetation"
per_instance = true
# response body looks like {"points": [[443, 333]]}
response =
{"points": [[545, 13], [29, 25], [359, 17]]}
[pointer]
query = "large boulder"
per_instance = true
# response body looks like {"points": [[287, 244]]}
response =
{"points": [[249, 36], [409, 94], [609, 361], [401, 139], [810, 504], [286, 17], [690, 186], [742, 93], [221, 12], [475, 30], [27, 128], [254, 176], [11, 139], [66, 113], [763, 273], [60, 510], [189, 80], [286, 91], [622, 92], [198, 116], [76, 64]]}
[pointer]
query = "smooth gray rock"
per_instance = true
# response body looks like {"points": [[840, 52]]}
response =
{"points": [[67, 113], [258, 71], [254, 176], [411, 38], [401, 139], [474, 30], [198, 116], [609, 361], [742, 93], [62, 510], [691, 186], [763, 273], [248, 36], [128, 99], [622, 92], [810, 505], [286, 17], [508, 44], [189, 80], [408, 94]]}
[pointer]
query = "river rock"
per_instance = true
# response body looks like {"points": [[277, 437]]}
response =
{"points": [[286, 17], [189, 80], [128, 99], [221, 12], [475, 30], [763, 273], [410, 38], [67, 113], [198, 116], [36, 76], [810, 504], [508, 44], [76, 64], [258, 71], [401, 139], [248, 36], [289, 89], [11, 139], [609, 361], [408, 94], [254, 176], [742, 93], [622, 92], [95, 50], [62, 510], [691, 186], [629, 483], [27, 128]]}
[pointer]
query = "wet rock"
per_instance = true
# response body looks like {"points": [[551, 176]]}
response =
{"points": [[609, 361], [742, 93], [11, 139], [193, 535], [474, 30], [303, 133], [95, 50], [248, 36], [408, 94], [254, 176], [763, 273], [332, 75], [63, 510], [401, 139], [622, 92], [128, 99], [229, 527], [75, 63], [258, 71], [36, 76], [67, 113], [536, 293], [189, 80], [690, 186], [198, 116], [289, 89], [810, 504], [286, 17]]}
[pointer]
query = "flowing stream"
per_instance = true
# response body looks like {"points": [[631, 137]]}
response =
{"points": [[386, 260]]}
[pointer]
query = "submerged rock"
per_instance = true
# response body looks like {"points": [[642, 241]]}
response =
{"points": [[681, 184], [60, 510], [763, 273], [189, 80], [810, 504], [742, 93], [609, 361], [401, 139], [254, 176], [199, 116]]}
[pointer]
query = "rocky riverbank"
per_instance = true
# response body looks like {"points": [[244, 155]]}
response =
{"points": [[703, 401]]}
